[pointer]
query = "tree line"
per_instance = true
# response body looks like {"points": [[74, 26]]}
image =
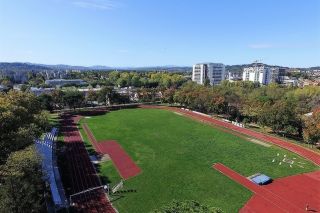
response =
{"points": [[72, 98], [21, 121], [109, 78], [283, 109]]}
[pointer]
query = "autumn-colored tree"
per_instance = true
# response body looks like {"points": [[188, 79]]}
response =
{"points": [[168, 95], [280, 117], [311, 132]]}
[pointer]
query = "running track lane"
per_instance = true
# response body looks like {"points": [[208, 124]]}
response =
{"points": [[122, 161], [306, 153], [299, 189], [267, 200], [81, 171]]}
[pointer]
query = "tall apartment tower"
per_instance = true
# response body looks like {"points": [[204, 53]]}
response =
{"points": [[258, 72], [214, 72], [199, 73]]}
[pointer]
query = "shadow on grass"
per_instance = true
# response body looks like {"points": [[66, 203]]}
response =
{"points": [[93, 112], [104, 179], [121, 194]]}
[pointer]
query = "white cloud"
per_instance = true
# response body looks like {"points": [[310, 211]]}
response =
{"points": [[95, 4]]}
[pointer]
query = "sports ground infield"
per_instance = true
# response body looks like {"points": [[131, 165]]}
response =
{"points": [[176, 154]]}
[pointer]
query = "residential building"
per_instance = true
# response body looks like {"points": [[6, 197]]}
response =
{"points": [[258, 73], [234, 76], [63, 82], [282, 74], [214, 73], [287, 81], [199, 73], [3, 88], [15, 76], [39, 91], [17, 87], [86, 91], [274, 75]]}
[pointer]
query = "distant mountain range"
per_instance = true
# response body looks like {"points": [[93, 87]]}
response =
{"points": [[17, 66]]}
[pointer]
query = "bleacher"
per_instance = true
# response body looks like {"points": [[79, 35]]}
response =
{"points": [[52, 176]]}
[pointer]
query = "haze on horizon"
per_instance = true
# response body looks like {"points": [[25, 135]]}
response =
{"points": [[139, 33]]}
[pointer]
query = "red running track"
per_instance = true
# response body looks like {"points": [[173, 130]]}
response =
{"points": [[306, 153], [298, 189], [275, 197], [82, 174], [124, 164]]}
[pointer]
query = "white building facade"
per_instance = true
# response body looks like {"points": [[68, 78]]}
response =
{"points": [[257, 73], [213, 72], [199, 73]]}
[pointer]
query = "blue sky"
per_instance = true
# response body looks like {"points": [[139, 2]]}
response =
{"points": [[160, 32]]}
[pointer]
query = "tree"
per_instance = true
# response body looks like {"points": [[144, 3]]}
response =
{"points": [[73, 99], [6, 81], [311, 132], [21, 122], [280, 117], [24, 87], [91, 96], [135, 81], [168, 95], [104, 94], [187, 206], [207, 82], [113, 76], [21, 182], [46, 101], [57, 98]]}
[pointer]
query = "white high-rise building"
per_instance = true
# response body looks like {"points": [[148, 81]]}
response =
{"points": [[214, 72], [199, 73], [257, 73]]}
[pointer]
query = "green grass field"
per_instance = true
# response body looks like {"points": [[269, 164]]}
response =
{"points": [[176, 153]]}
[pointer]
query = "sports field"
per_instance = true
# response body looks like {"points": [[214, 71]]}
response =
{"points": [[176, 153]]}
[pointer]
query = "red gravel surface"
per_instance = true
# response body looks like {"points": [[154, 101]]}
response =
{"points": [[122, 161]]}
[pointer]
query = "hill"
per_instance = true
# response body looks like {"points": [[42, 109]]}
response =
{"points": [[18, 66], [22, 67]]}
